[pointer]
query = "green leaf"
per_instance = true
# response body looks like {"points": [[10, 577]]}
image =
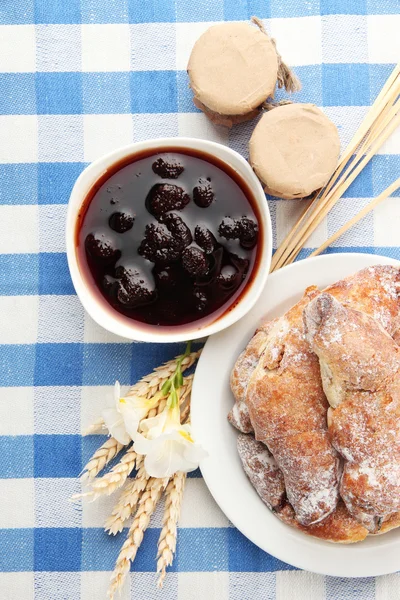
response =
{"points": [[166, 387], [179, 379]]}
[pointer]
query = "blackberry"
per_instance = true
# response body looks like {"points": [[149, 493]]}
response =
{"points": [[121, 222], [164, 197], [167, 169], [229, 229], [203, 194], [194, 261], [101, 248], [178, 228], [131, 288], [248, 233], [205, 239], [158, 245]]}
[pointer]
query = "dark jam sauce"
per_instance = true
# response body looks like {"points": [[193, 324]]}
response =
{"points": [[169, 237]]}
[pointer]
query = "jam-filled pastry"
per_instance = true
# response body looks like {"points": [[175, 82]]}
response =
{"points": [[360, 370]]}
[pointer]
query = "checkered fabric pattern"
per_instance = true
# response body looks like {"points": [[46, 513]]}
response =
{"points": [[79, 78]]}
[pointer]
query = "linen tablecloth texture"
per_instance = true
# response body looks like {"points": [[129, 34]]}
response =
{"points": [[77, 79]]}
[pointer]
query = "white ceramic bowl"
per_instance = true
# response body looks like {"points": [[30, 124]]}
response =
{"points": [[100, 310]]}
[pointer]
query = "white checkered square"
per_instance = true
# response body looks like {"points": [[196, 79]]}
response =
{"points": [[19, 229], [16, 411], [60, 319], [387, 586], [95, 513], [60, 138], [387, 223], [57, 410], [52, 218], [298, 40], [210, 515], [105, 47], [52, 508], [17, 503], [94, 586], [149, 126], [344, 39], [58, 47], [18, 138], [52, 585], [252, 586], [17, 49], [186, 36], [17, 586], [287, 213], [307, 585], [19, 321], [383, 38], [94, 333], [361, 234], [212, 585], [347, 119], [198, 126], [147, 581], [160, 38], [104, 133]]}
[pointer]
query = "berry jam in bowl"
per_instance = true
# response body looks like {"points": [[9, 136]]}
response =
{"points": [[168, 239]]}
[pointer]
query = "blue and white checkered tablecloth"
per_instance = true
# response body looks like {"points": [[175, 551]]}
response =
{"points": [[77, 79]]}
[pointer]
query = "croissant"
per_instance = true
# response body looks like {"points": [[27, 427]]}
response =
{"points": [[360, 370]]}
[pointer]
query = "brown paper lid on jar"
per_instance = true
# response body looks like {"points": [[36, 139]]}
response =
{"points": [[294, 150], [233, 68]]}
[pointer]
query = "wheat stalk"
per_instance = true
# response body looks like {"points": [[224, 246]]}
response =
{"points": [[98, 425], [101, 458], [146, 508], [167, 539], [128, 501]]}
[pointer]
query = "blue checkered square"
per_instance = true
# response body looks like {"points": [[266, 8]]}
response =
{"points": [[54, 277], [17, 94], [345, 84], [58, 549], [19, 274], [118, 359], [202, 10], [153, 92], [17, 454], [106, 93], [18, 183], [59, 93], [58, 364], [55, 12], [56, 181], [57, 455], [343, 7], [151, 11]]}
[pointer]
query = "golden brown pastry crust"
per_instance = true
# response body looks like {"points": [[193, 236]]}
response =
{"points": [[360, 367], [376, 291], [266, 478]]}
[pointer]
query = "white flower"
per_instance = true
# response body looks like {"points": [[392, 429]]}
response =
{"points": [[123, 421], [168, 445]]}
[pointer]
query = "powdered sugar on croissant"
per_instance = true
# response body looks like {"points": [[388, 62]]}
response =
{"points": [[360, 369]]}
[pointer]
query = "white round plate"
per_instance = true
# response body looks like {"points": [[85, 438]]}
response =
{"points": [[222, 470]]}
